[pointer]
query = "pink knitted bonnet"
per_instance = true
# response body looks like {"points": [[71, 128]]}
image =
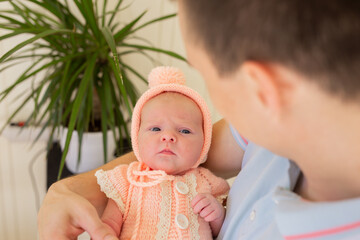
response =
{"points": [[170, 79]]}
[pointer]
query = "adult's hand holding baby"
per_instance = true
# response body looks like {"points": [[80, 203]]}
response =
{"points": [[64, 215]]}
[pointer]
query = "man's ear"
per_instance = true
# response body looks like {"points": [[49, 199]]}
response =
{"points": [[266, 86]]}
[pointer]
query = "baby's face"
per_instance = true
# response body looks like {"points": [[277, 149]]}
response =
{"points": [[171, 135]]}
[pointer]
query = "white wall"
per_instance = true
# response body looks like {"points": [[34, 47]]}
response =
{"points": [[20, 195]]}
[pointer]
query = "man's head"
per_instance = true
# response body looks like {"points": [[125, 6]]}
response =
{"points": [[275, 68], [319, 39]]}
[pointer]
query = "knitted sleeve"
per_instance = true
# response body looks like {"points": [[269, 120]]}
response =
{"points": [[219, 187], [114, 184]]}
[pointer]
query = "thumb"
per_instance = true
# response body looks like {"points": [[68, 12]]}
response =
{"points": [[92, 224], [110, 237]]}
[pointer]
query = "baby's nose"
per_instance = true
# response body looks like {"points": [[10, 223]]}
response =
{"points": [[168, 138]]}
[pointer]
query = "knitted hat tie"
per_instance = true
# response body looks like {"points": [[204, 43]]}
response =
{"points": [[136, 177]]}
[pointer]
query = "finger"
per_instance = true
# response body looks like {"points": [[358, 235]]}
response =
{"points": [[57, 228], [201, 204], [90, 221], [211, 217], [197, 198], [206, 211], [69, 233]]}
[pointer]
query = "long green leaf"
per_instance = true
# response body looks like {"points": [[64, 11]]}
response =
{"points": [[139, 51], [120, 83], [126, 30], [87, 10], [63, 81], [170, 53], [40, 17], [103, 13], [24, 76], [154, 21], [57, 9], [11, 20], [134, 72], [20, 12], [115, 11], [11, 65], [76, 108], [115, 60], [119, 119], [108, 85], [20, 31], [130, 88], [31, 40]]}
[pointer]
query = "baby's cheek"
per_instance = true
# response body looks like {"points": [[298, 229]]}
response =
{"points": [[146, 151]]}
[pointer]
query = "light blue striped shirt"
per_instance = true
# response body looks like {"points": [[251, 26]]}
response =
{"points": [[261, 204]]}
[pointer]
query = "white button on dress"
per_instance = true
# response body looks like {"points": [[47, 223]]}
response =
{"points": [[182, 188], [182, 221]]}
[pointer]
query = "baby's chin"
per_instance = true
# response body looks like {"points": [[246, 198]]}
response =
{"points": [[169, 171], [174, 172], [166, 164]]}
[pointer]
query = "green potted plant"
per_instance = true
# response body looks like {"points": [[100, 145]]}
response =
{"points": [[85, 85]]}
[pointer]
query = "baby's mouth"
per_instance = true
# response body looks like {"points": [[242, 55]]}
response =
{"points": [[167, 152]]}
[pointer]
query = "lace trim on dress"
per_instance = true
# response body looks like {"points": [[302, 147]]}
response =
{"points": [[163, 225], [108, 188], [190, 180]]}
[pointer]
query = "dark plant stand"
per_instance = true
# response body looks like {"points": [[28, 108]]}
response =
{"points": [[53, 158]]}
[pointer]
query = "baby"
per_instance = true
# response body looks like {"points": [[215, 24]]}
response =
{"points": [[166, 195]]}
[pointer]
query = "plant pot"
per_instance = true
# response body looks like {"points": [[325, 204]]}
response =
{"points": [[92, 150]]}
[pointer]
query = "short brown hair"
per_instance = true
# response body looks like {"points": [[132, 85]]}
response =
{"points": [[318, 38]]}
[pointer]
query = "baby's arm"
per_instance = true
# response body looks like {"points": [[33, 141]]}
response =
{"points": [[210, 210], [112, 217]]}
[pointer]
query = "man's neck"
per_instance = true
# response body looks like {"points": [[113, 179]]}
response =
{"points": [[331, 176], [326, 191], [329, 153]]}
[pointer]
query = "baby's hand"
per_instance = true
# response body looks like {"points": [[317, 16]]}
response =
{"points": [[208, 207]]}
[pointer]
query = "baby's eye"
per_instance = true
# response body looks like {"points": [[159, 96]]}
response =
{"points": [[155, 129], [185, 131]]}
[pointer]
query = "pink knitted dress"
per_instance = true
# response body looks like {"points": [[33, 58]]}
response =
{"points": [[155, 205], [158, 206]]}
